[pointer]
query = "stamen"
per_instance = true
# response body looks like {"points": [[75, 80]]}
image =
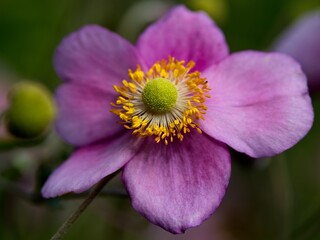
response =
{"points": [[165, 102]]}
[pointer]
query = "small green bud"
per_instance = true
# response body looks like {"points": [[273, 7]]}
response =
{"points": [[31, 110], [159, 95], [218, 9]]}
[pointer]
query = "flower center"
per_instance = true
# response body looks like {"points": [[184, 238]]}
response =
{"points": [[159, 95], [165, 102]]}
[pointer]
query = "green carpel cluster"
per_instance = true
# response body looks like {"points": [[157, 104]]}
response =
{"points": [[159, 95]]}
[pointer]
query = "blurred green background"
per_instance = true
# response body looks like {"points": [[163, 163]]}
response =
{"points": [[268, 199]]}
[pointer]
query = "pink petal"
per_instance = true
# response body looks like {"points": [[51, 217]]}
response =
{"points": [[302, 42], [84, 114], [90, 164], [180, 185], [260, 103], [184, 35], [94, 56]]}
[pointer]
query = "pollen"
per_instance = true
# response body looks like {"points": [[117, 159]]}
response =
{"points": [[165, 102]]}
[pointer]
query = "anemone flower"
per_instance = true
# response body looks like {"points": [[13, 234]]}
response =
{"points": [[165, 110], [302, 42]]}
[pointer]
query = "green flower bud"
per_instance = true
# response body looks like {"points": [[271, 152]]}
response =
{"points": [[218, 9], [31, 110]]}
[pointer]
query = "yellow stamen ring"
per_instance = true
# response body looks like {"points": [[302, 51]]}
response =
{"points": [[164, 102]]}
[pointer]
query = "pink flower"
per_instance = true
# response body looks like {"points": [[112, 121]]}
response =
{"points": [[302, 42], [175, 176]]}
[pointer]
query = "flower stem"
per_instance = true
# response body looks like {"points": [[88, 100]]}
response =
{"points": [[68, 223]]}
